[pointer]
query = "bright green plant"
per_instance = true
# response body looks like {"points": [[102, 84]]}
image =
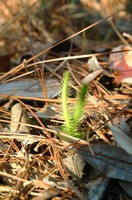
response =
{"points": [[72, 117]]}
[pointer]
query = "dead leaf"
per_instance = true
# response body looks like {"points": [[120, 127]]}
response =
{"points": [[109, 160], [96, 188], [90, 77], [31, 88], [93, 64], [47, 112], [19, 115], [127, 187], [122, 64], [125, 128], [75, 165], [122, 139]]}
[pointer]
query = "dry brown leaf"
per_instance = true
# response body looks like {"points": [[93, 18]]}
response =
{"points": [[122, 64], [19, 115], [75, 165]]}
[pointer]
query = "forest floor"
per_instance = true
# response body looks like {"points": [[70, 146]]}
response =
{"points": [[39, 42]]}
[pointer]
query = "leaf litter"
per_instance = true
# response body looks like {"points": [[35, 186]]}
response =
{"points": [[35, 163]]}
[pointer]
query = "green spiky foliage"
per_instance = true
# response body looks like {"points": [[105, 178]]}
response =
{"points": [[64, 101], [72, 118]]}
